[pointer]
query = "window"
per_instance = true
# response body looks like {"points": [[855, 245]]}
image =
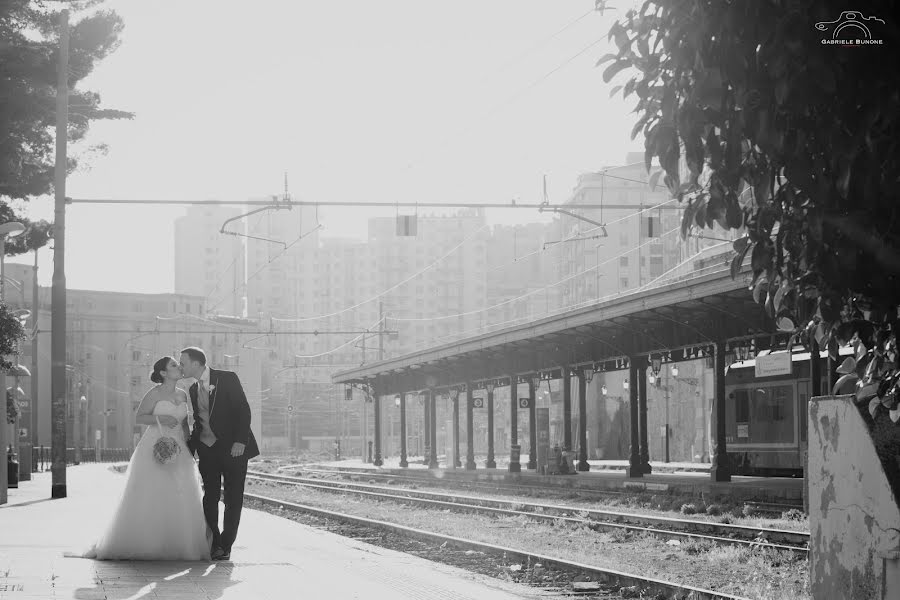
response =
{"points": [[761, 415], [623, 237], [623, 282], [136, 355], [623, 261], [650, 227]]}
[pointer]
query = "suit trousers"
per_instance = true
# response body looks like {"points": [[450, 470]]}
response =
{"points": [[217, 466]]}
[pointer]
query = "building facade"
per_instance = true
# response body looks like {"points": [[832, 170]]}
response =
{"points": [[112, 341], [210, 264]]}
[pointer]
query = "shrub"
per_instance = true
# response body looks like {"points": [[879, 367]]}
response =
{"points": [[714, 510], [689, 509], [694, 547], [793, 515], [620, 536]]}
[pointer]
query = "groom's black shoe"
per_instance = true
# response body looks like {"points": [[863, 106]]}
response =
{"points": [[220, 554]]}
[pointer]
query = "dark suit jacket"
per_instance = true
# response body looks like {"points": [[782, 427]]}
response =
{"points": [[229, 413]]}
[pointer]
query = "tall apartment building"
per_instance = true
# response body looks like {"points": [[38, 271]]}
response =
{"points": [[277, 243], [112, 341], [522, 268], [340, 285], [208, 263], [641, 244]]}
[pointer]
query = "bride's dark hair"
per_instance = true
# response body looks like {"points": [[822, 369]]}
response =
{"points": [[156, 376]]}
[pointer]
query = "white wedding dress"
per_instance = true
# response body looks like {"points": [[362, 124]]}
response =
{"points": [[160, 513]]}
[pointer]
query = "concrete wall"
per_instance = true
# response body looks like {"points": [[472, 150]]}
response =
{"points": [[853, 513]]}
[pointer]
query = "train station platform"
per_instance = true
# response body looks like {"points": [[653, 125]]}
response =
{"points": [[690, 479], [273, 557]]}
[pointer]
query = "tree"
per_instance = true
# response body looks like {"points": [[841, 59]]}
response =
{"points": [[762, 123], [29, 51], [11, 331]]}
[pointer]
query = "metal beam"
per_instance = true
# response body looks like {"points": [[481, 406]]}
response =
{"points": [[292, 203]]}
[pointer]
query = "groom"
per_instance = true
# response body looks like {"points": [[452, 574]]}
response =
{"points": [[223, 440]]}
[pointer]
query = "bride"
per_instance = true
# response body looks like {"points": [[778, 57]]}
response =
{"points": [[160, 514]]}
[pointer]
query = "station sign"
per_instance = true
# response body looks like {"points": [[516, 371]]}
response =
{"points": [[524, 402], [477, 402], [770, 365]]}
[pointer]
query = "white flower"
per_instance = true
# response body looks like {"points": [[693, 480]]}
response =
{"points": [[212, 388]]}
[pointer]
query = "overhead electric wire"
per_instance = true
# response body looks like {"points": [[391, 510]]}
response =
{"points": [[509, 100], [579, 234], [262, 268], [540, 289], [540, 43], [444, 256], [566, 308], [344, 345], [388, 290]]}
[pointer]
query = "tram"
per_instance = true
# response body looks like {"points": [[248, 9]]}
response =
{"points": [[766, 417]]}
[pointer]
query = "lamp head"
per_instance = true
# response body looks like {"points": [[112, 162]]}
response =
{"points": [[589, 373], [655, 363], [11, 229]]}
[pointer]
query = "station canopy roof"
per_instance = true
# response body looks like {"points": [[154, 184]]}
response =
{"points": [[681, 320]]}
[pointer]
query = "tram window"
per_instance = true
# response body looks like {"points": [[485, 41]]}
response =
{"points": [[762, 415], [741, 406]]}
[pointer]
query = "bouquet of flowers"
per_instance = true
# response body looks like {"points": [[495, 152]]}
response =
{"points": [[166, 449]]}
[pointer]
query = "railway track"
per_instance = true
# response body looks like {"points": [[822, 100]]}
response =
{"points": [[566, 576], [425, 479], [463, 483], [603, 520]]}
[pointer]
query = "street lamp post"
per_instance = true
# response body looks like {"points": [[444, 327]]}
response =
{"points": [[11, 229], [58, 301]]}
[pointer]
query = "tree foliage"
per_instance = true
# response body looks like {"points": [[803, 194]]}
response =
{"points": [[29, 52], [11, 331], [761, 126]]}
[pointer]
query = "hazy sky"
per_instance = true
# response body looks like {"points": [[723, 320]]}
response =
{"points": [[411, 100]]}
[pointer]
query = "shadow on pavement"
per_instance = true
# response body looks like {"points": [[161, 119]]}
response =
{"points": [[137, 580]]}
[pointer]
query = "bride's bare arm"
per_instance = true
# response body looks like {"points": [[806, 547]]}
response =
{"points": [[144, 414]]}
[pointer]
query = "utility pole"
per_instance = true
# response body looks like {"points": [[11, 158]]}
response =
{"points": [[364, 428], [35, 313], [377, 405], [380, 331], [58, 318]]}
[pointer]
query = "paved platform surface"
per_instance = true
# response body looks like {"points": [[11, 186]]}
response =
{"points": [[273, 558], [601, 476]]}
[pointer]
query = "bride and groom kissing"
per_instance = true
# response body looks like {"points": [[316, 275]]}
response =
{"points": [[160, 515]]}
